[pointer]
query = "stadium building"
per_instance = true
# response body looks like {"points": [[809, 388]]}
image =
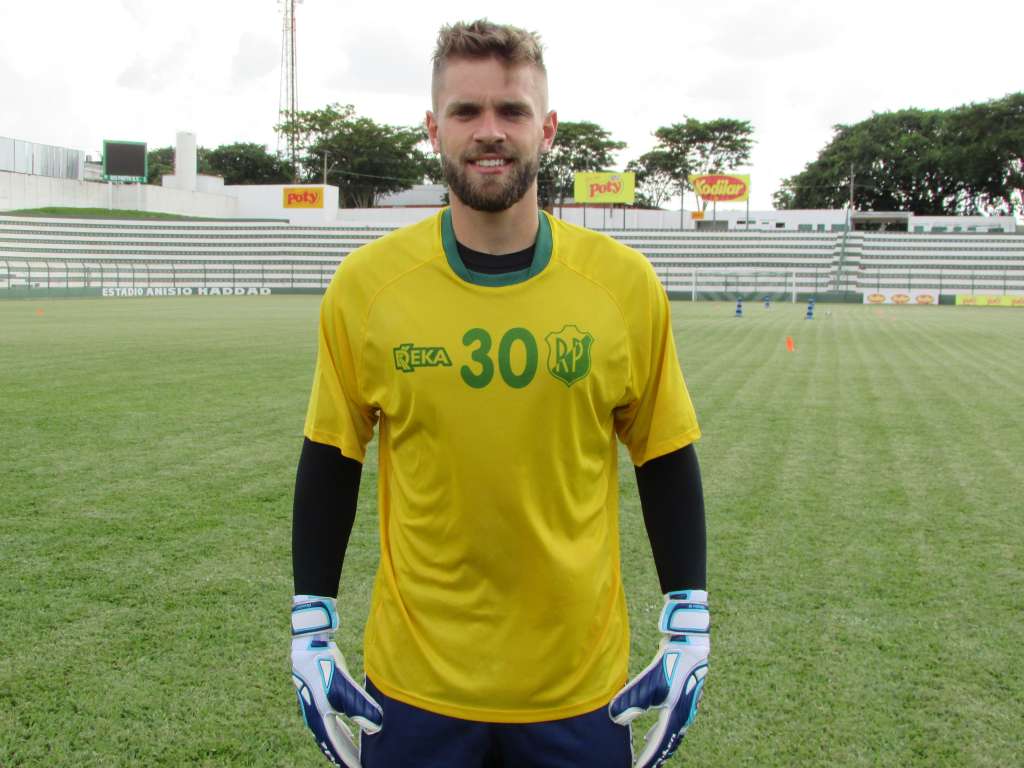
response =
{"points": [[290, 238]]}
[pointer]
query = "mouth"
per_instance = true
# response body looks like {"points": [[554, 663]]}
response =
{"points": [[491, 164]]}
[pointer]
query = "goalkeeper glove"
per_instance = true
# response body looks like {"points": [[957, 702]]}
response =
{"points": [[674, 681], [325, 689]]}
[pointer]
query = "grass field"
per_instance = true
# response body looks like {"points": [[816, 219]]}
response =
{"points": [[864, 498]]}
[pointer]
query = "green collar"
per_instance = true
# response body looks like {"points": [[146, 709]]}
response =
{"points": [[541, 255]]}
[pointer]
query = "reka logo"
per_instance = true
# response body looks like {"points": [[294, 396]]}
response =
{"points": [[569, 354], [408, 357], [303, 197]]}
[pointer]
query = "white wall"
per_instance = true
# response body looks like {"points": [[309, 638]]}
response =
{"points": [[382, 217], [266, 201], [19, 190]]}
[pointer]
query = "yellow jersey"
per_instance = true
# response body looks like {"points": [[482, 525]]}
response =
{"points": [[498, 399]]}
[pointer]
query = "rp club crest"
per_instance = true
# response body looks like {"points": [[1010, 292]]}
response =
{"points": [[569, 354]]}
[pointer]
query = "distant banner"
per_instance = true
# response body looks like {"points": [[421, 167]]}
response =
{"points": [[303, 197], [909, 298], [721, 187], [590, 187], [975, 300]]}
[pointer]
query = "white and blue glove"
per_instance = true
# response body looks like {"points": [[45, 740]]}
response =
{"points": [[674, 681], [325, 689]]}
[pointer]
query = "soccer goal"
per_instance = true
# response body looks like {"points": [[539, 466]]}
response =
{"points": [[746, 284]]}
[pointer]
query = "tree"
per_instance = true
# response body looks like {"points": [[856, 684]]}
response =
{"points": [[578, 146], [246, 163], [896, 162], [703, 146], [363, 158], [159, 163], [987, 154], [965, 160], [655, 179]]}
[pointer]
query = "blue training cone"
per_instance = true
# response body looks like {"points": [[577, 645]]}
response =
{"points": [[739, 307]]}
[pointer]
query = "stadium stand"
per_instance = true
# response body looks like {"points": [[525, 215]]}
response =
{"points": [[87, 255]]}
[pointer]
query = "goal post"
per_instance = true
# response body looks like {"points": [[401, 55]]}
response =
{"points": [[749, 284]]}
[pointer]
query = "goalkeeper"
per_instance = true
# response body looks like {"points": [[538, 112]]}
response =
{"points": [[499, 353]]}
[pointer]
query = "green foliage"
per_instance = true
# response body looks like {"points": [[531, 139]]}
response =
{"points": [[961, 161], [247, 163], [578, 146], [160, 163], [701, 146], [365, 159], [855, 489], [655, 179], [986, 145]]}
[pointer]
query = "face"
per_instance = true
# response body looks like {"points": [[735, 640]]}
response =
{"points": [[490, 128]]}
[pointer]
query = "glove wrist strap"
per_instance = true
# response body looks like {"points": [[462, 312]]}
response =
{"points": [[313, 614], [685, 612]]}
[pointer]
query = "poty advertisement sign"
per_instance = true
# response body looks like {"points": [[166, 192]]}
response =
{"points": [[904, 298], [592, 187], [721, 187], [977, 300], [302, 197]]}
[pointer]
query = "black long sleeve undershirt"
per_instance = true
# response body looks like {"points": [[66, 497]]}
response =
{"points": [[326, 492], [672, 498], [327, 489]]}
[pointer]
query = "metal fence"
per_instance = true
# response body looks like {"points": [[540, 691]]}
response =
{"points": [[41, 159], [49, 275], [680, 279]]}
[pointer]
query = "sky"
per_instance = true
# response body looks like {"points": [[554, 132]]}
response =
{"points": [[74, 73]]}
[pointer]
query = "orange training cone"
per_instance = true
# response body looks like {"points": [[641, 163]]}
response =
{"points": [[789, 344], [39, 311]]}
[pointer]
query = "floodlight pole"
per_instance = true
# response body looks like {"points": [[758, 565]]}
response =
{"points": [[851, 186]]}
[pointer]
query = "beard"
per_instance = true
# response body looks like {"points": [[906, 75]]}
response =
{"points": [[490, 194]]}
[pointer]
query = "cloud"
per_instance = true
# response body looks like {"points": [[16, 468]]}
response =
{"points": [[138, 10], [763, 32], [137, 75], [145, 74], [256, 56], [380, 63]]}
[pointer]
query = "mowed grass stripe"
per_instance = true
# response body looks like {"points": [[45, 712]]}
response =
{"points": [[961, 538]]}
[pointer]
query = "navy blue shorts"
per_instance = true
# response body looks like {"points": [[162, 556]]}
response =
{"points": [[414, 738]]}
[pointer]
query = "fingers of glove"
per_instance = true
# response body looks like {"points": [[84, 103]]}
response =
{"points": [[648, 689], [667, 734], [332, 736], [348, 697], [337, 692]]}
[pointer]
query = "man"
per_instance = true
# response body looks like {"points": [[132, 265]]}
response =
{"points": [[500, 352]]}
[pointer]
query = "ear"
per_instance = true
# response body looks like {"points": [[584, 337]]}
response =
{"points": [[431, 123], [550, 128]]}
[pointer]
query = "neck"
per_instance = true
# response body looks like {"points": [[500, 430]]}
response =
{"points": [[508, 231]]}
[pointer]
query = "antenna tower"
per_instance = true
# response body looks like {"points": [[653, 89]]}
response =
{"points": [[288, 97]]}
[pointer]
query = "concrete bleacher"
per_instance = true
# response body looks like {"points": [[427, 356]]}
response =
{"points": [[689, 262], [87, 253], [950, 263], [92, 254]]}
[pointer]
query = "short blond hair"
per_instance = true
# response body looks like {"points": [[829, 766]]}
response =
{"points": [[483, 39]]}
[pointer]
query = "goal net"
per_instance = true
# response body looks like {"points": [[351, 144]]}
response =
{"points": [[746, 284]]}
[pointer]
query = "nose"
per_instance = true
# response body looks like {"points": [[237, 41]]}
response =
{"points": [[488, 128]]}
